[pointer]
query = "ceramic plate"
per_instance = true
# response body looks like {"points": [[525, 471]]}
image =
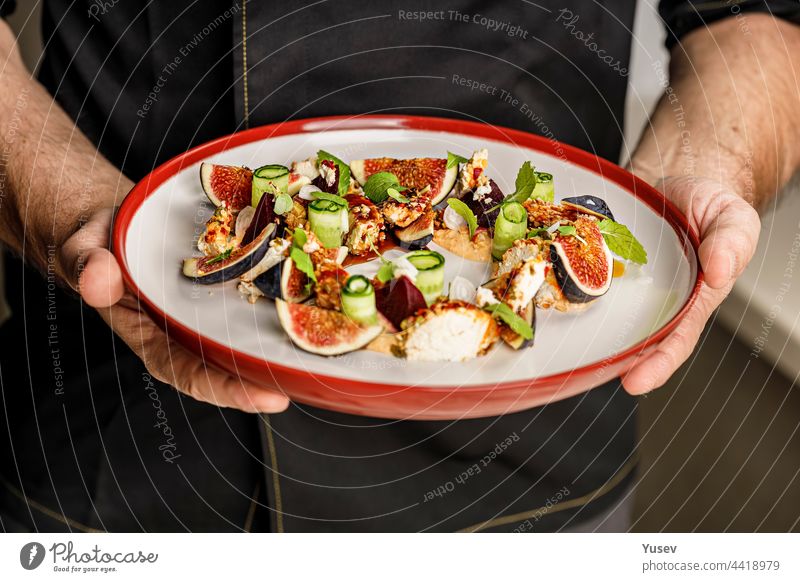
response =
{"points": [[161, 218]]}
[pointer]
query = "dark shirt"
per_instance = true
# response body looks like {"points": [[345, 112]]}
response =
{"points": [[90, 435]]}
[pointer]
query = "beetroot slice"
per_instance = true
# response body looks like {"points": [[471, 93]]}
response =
{"points": [[263, 215], [398, 300], [483, 208], [320, 182]]}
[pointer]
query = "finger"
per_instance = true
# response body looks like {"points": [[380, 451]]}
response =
{"points": [[180, 368], [100, 281], [654, 369], [88, 265], [727, 225], [207, 384], [729, 241]]}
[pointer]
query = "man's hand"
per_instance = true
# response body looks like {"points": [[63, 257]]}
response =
{"points": [[728, 228], [93, 271]]}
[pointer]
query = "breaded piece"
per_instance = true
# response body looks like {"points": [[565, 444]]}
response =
{"points": [[448, 331]]}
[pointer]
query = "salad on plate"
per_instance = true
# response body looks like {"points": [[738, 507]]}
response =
{"points": [[298, 236]]}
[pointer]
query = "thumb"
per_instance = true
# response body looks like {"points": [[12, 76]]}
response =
{"points": [[727, 225], [90, 268]]}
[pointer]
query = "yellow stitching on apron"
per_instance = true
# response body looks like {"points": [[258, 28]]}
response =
{"points": [[276, 483], [251, 512], [244, 65], [47, 511], [583, 500]]}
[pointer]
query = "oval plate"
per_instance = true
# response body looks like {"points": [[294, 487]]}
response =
{"points": [[160, 220]]}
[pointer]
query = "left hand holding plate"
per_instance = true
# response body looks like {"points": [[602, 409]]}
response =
{"points": [[728, 228]]}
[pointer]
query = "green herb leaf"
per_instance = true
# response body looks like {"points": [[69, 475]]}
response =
{"points": [[622, 242], [454, 160], [511, 319], [220, 257], [393, 193], [331, 197], [283, 203], [378, 184], [540, 232], [524, 185], [303, 262], [344, 170], [466, 213], [567, 230], [299, 238], [385, 271]]}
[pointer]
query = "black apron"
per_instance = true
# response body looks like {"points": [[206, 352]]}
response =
{"points": [[332, 472], [91, 442]]}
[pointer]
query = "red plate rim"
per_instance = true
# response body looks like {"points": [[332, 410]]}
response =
{"points": [[608, 170]]}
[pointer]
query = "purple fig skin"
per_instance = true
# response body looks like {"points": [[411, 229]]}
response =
{"points": [[264, 214], [399, 300], [320, 182], [486, 218]]}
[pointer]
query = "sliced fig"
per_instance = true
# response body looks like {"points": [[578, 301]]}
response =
{"points": [[589, 205], [284, 281], [209, 270], [485, 204], [296, 182], [323, 331], [582, 264], [398, 300], [419, 233], [228, 185], [513, 339], [416, 173]]}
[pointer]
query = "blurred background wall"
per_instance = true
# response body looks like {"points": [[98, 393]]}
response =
{"points": [[719, 444]]}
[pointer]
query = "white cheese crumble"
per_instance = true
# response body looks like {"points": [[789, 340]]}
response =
{"points": [[484, 296], [482, 191], [328, 174], [307, 168], [311, 246]]}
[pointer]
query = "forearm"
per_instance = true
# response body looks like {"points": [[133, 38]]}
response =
{"points": [[51, 177], [732, 110]]}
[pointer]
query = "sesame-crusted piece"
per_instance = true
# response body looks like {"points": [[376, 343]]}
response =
{"points": [[401, 214], [366, 225], [330, 279], [216, 238]]}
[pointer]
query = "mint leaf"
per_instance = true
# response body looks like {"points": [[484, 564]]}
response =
{"points": [[393, 193], [299, 238], [344, 170], [303, 262], [454, 160], [541, 232], [511, 319], [622, 242], [466, 213], [283, 203], [524, 186], [331, 197], [379, 183]]}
